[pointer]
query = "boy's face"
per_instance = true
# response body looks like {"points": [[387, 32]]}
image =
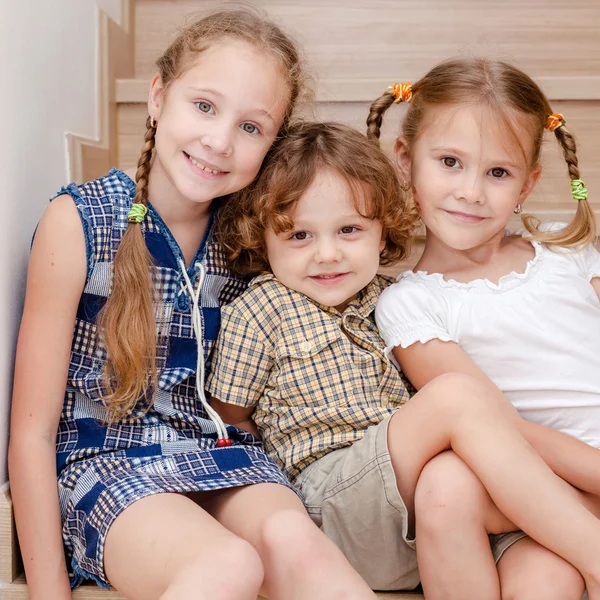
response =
{"points": [[332, 252]]}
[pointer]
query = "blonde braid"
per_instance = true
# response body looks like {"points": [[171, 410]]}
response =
{"points": [[129, 311]]}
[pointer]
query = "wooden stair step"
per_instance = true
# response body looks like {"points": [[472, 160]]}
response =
{"points": [[90, 591]]}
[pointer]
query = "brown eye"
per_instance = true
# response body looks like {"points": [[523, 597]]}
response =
{"points": [[348, 229], [449, 162], [498, 172], [300, 235]]}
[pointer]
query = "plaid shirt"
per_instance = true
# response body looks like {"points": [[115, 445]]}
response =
{"points": [[317, 378]]}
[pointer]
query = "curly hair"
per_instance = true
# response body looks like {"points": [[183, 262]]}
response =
{"points": [[288, 171]]}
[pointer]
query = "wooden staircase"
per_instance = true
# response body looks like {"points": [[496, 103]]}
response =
{"points": [[356, 52]]}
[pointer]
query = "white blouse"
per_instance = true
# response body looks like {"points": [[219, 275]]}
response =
{"points": [[535, 334]]}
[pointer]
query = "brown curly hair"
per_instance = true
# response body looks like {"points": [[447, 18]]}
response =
{"points": [[288, 171]]}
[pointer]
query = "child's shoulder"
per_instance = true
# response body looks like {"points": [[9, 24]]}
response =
{"points": [[265, 294], [114, 188]]}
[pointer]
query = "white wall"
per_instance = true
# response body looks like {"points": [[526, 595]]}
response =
{"points": [[47, 87]]}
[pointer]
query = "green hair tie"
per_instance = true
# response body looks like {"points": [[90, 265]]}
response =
{"points": [[578, 189], [136, 213]]}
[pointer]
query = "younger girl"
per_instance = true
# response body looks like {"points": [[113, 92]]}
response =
{"points": [[123, 302], [517, 311], [300, 353]]}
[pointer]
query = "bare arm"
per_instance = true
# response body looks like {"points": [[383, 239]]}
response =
{"points": [[236, 415], [55, 282], [573, 460], [596, 285]]}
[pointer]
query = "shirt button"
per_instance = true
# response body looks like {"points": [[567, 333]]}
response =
{"points": [[305, 346]]}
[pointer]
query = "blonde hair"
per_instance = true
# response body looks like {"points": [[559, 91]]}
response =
{"points": [[505, 89], [289, 170], [127, 321]]}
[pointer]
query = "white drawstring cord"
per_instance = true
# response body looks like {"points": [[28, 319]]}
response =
{"points": [[223, 437]]}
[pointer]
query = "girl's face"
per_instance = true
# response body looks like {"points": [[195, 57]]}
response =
{"points": [[216, 122], [332, 252], [468, 173]]}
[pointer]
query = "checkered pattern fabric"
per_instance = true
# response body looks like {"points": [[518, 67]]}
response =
{"points": [[102, 468], [317, 378]]}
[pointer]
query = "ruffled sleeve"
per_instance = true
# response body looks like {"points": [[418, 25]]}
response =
{"points": [[589, 261], [409, 312], [587, 258]]}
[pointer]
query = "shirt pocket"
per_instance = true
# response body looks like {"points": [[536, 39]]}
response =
{"points": [[311, 366]]}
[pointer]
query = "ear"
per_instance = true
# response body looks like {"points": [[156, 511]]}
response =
{"points": [[530, 182], [402, 157], [156, 96], [382, 243]]}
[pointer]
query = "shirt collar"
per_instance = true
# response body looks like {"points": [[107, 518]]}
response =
{"points": [[364, 304]]}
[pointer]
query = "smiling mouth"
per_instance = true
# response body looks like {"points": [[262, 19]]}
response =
{"points": [[464, 217], [203, 167], [328, 278]]}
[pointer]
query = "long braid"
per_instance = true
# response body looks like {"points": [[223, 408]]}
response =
{"points": [[127, 321], [582, 228], [129, 311], [143, 166], [376, 112]]}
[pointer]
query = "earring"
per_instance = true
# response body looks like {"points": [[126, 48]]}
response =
{"points": [[518, 209], [153, 122]]}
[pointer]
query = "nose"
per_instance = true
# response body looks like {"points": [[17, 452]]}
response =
{"points": [[470, 188], [218, 139], [327, 250]]}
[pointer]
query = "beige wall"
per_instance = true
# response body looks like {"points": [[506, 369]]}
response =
{"points": [[48, 89]]}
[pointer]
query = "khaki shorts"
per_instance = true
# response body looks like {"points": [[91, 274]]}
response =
{"points": [[351, 494]]}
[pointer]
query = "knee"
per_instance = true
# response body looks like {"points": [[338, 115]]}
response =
{"points": [[564, 586], [234, 570], [458, 394], [448, 492], [291, 535], [561, 582]]}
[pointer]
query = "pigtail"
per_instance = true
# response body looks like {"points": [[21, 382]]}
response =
{"points": [[376, 112], [127, 320], [581, 231]]}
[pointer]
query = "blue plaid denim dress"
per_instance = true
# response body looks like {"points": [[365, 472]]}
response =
{"points": [[102, 469]]}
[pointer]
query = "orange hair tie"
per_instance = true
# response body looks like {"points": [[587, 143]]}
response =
{"points": [[401, 91], [554, 121]]}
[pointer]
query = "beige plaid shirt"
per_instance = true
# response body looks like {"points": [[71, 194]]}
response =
{"points": [[317, 378]]}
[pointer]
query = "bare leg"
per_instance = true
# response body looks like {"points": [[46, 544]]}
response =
{"points": [[453, 516], [529, 571], [166, 547], [452, 412], [300, 562]]}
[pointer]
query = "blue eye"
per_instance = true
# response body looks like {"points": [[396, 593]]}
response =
{"points": [[250, 128], [499, 173], [204, 107], [349, 229]]}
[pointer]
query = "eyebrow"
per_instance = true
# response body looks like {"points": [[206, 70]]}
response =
{"points": [[260, 111], [458, 152]]}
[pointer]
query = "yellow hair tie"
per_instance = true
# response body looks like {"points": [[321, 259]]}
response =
{"points": [[402, 92], [554, 121], [136, 213], [578, 189]]}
